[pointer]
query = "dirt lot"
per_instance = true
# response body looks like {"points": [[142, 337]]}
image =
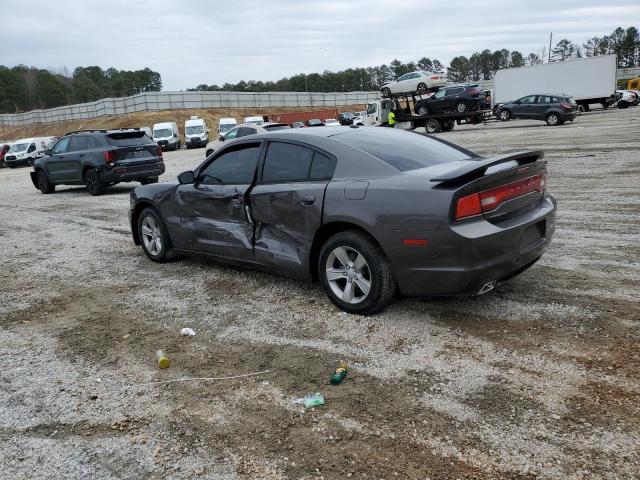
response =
{"points": [[538, 379]]}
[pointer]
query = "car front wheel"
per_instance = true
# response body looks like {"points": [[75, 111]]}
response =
{"points": [[43, 183], [504, 115], [154, 237], [355, 273]]}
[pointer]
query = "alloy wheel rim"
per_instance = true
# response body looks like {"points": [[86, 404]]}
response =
{"points": [[348, 275], [504, 115], [151, 235], [461, 107], [553, 119]]}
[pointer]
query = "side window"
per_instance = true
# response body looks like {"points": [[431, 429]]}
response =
{"points": [[440, 93], [32, 148], [529, 99], [454, 91], [92, 143], [545, 99], [244, 131], [285, 162], [406, 76], [237, 166], [77, 143], [321, 168], [61, 146]]}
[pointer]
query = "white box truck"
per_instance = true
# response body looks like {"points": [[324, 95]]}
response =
{"points": [[589, 80], [166, 135], [196, 133]]}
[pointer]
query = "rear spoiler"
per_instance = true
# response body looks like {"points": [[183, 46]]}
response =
{"points": [[478, 168]]}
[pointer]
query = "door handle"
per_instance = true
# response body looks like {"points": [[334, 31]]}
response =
{"points": [[308, 200], [81, 155]]}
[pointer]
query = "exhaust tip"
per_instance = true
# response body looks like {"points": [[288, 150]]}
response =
{"points": [[487, 287]]}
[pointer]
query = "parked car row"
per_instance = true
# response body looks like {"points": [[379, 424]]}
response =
{"points": [[23, 152]]}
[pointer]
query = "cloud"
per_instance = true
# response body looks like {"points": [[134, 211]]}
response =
{"points": [[197, 41]]}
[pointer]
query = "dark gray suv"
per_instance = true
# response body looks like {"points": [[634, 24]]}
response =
{"points": [[99, 159], [553, 109]]}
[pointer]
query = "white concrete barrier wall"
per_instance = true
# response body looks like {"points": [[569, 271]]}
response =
{"points": [[153, 101]]}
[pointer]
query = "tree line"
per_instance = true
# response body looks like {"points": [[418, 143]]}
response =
{"points": [[479, 66], [25, 88]]}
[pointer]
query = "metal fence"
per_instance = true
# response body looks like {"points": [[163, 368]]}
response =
{"points": [[153, 101]]}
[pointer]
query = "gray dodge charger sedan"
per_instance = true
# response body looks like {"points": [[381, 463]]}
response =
{"points": [[365, 211]]}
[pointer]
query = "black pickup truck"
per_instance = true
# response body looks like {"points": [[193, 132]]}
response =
{"points": [[99, 159]]}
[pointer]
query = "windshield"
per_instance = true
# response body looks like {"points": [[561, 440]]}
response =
{"points": [[194, 130], [254, 122], [403, 150], [225, 127], [163, 132], [371, 108], [18, 147]]}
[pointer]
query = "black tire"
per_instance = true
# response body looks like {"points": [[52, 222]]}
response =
{"points": [[43, 183], [147, 181], [381, 281], [433, 126], [165, 252], [386, 92], [504, 115], [553, 119], [422, 88], [623, 104], [461, 107], [93, 182], [423, 110], [448, 125]]}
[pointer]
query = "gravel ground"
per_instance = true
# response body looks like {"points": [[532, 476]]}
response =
{"points": [[539, 379]]}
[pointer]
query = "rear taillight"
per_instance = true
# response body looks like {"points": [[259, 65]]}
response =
{"points": [[566, 106], [435, 77], [483, 202], [159, 151], [109, 156], [474, 93]]}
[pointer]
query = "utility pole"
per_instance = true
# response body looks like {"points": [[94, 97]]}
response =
{"points": [[550, 38]]}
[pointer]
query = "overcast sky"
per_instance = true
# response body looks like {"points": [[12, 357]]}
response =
{"points": [[197, 41]]}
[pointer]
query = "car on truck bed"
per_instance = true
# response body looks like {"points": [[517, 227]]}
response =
{"points": [[460, 98], [99, 159], [411, 82]]}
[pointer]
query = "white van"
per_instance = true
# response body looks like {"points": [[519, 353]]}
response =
{"points": [[256, 120], [226, 124], [166, 135], [196, 133], [147, 130], [25, 151]]}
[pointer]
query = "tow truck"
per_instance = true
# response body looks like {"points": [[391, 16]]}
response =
{"points": [[407, 118]]}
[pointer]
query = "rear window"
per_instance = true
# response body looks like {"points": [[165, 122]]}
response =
{"points": [[126, 139], [404, 150], [273, 128]]}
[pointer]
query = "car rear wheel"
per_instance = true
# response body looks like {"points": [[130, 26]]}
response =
{"points": [[154, 237], [422, 88], [386, 92], [43, 183], [433, 126], [461, 107], [504, 116], [355, 273], [448, 126], [94, 184], [553, 119]]}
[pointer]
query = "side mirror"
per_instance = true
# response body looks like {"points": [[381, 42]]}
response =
{"points": [[186, 178], [47, 152], [221, 138], [175, 135]]}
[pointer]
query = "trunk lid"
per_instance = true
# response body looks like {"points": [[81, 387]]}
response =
{"points": [[133, 148]]}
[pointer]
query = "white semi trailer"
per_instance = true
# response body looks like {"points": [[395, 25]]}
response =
{"points": [[589, 80]]}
